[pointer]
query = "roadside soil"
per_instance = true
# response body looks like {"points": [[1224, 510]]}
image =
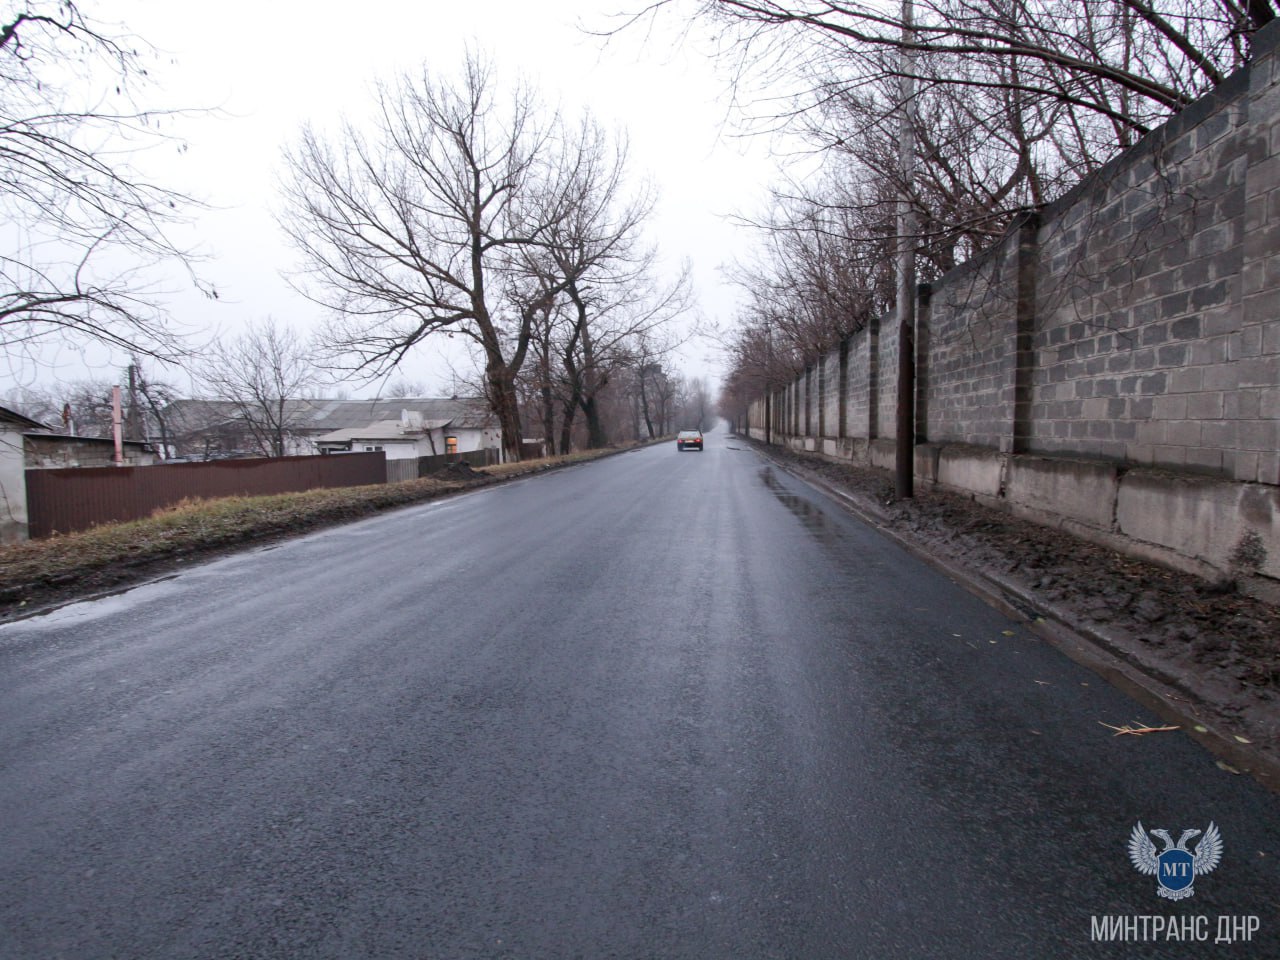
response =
{"points": [[1213, 652]]}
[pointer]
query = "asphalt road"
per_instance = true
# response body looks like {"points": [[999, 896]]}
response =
{"points": [[661, 705]]}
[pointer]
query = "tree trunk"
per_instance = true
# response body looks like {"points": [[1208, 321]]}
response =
{"points": [[592, 382], [566, 425], [548, 400], [644, 404], [570, 406], [506, 407], [597, 436]]}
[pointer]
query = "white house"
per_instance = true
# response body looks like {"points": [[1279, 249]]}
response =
{"points": [[413, 436], [409, 437], [13, 477]]}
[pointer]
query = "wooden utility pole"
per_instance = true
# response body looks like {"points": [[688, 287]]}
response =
{"points": [[134, 417], [905, 439]]}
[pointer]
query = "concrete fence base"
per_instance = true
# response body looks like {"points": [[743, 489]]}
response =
{"points": [[1213, 528]]}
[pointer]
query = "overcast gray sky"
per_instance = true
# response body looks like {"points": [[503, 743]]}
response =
{"points": [[268, 66]]}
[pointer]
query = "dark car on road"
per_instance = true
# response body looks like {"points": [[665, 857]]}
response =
{"points": [[689, 440]]}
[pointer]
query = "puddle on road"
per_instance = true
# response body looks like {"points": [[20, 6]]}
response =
{"points": [[812, 518], [88, 609]]}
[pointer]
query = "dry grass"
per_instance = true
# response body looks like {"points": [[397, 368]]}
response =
{"points": [[505, 470], [43, 570]]}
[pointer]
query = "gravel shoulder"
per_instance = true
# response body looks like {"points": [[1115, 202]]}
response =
{"points": [[1201, 654]]}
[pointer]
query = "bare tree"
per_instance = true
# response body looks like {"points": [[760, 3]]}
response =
{"points": [[421, 227], [1015, 101], [609, 322], [695, 409], [405, 388], [262, 373], [37, 403], [613, 320], [81, 407], [149, 399], [82, 225], [595, 286], [1132, 62]]}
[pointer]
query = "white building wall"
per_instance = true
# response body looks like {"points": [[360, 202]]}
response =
{"points": [[13, 488]]}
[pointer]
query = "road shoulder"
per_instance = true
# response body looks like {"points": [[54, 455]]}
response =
{"points": [[1199, 655]]}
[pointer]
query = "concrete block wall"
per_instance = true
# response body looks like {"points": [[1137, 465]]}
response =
{"points": [[885, 409], [1144, 367], [858, 392], [1255, 402], [1211, 527], [829, 368], [1114, 364], [968, 396]]}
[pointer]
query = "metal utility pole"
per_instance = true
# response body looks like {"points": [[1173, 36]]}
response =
{"points": [[768, 382], [905, 439]]}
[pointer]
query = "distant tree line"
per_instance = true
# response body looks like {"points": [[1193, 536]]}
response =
{"points": [[1014, 102]]}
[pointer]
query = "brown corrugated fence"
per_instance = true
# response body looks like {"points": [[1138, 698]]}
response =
{"points": [[78, 498]]}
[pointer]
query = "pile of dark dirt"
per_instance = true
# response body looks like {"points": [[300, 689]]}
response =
{"points": [[1218, 646], [458, 470]]}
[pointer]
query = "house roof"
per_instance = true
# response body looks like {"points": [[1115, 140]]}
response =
{"points": [[43, 435], [382, 430], [321, 416]]}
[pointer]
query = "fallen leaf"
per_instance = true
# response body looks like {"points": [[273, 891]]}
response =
{"points": [[1242, 739], [1223, 765], [1136, 729], [1007, 633], [1200, 729]]}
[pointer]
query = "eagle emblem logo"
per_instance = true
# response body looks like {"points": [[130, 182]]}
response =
{"points": [[1175, 867]]}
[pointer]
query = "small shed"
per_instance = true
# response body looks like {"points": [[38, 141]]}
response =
{"points": [[27, 444], [13, 482]]}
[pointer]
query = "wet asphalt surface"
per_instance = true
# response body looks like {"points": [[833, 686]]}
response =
{"points": [[662, 705]]}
